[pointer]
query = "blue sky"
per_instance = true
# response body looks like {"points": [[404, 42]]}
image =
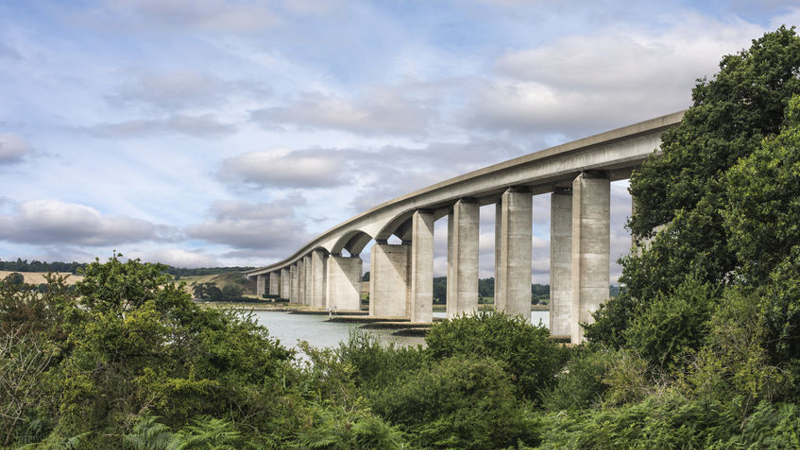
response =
{"points": [[217, 132]]}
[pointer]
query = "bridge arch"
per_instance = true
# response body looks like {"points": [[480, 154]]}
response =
{"points": [[353, 241]]}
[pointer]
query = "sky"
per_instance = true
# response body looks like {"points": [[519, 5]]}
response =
{"points": [[202, 133]]}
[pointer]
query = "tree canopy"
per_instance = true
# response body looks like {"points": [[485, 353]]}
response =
{"points": [[688, 221]]}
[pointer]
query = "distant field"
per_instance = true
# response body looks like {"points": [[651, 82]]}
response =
{"points": [[221, 280], [38, 277]]}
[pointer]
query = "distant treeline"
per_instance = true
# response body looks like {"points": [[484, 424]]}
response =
{"points": [[540, 293], [22, 265]]}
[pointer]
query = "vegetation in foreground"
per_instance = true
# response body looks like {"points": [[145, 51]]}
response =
{"points": [[701, 351]]}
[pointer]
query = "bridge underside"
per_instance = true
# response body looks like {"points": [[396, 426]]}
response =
{"points": [[401, 284], [577, 176]]}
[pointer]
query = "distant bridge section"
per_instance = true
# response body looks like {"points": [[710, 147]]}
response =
{"points": [[577, 175]]}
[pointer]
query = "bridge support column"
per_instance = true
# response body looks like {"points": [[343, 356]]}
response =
{"points": [[344, 283], [463, 233], [261, 284], [421, 307], [275, 284], [286, 283], [293, 297], [318, 279], [389, 280], [307, 280], [591, 242], [513, 251], [561, 262], [301, 281]]}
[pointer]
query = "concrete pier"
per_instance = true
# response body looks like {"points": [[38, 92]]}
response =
{"points": [[318, 279], [261, 284], [591, 247], [286, 283], [389, 280], [293, 297], [344, 282], [514, 234], [275, 283], [561, 262], [463, 234], [307, 280], [421, 297], [301, 282]]}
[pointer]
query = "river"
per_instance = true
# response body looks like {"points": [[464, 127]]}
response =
{"points": [[290, 328]]}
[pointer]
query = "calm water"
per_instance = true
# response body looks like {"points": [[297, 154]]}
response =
{"points": [[290, 328]]}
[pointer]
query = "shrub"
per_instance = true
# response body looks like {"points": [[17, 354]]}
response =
{"points": [[673, 325], [526, 352], [581, 384], [459, 402]]}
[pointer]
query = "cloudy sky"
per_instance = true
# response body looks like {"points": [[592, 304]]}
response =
{"points": [[222, 132]]}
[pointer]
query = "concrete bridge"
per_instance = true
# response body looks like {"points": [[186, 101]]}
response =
{"points": [[577, 175]]}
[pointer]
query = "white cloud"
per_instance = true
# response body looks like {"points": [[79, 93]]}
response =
{"points": [[312, 7], [205, 125], [267, 227], [285, 168], [613, 77], [378, 110], [173, 89], [13, 148], [789, 18], [226, 16], [44, 222]]}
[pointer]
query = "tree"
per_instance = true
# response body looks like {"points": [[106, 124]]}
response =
{"points": [[681, 194], [138, 345]]}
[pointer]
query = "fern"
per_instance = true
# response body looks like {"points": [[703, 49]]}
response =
{"points": [[149, 435], [74, 442]]}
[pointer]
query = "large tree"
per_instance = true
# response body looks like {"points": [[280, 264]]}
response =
{"points": [[682, 193]]}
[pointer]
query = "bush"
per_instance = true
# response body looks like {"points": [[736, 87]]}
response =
{"points": [[526, 352], [581, 384], [672, 326], [461, 402], [375, 365]]}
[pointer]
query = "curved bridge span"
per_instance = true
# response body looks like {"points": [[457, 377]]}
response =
{"points": [[576, 174]]}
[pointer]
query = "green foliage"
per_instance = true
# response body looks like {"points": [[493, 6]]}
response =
{"points": [[32, 342], [733, 365], [610, 322], [672, 326], [526, 351], [771, 427], [460, 402], [211, 291], [373, 364], [206, 433], [781, 309], [764, 190], [764, 220], [136, 344], [686, 185], [22, 265], [666, 421], [334, 429], [581, 385], [148, 434], [684, 193]]}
